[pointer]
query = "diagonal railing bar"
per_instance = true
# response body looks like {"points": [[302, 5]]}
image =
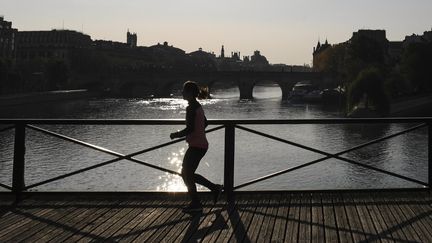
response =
{"points": [[5, 186], [377, 140], [6, 128], [171, 142], [76, 141], [102, 149], [328, 155], [120, 156], [383, 171], [279, 173], [73, 173]]}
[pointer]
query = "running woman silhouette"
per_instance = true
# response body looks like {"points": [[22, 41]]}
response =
{"points": [[198, 146]]}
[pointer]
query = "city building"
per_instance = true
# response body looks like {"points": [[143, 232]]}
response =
{"points": [[317, 52], [426, 37], [377, 35], [222, 55], [50, 44], [7, 39], [131, 39], [258, 59]]}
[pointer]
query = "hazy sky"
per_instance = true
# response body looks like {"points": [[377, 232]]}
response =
{"points": [[285, 31]]}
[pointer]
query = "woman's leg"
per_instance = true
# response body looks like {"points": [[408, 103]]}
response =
{"points": [[191, 160]]}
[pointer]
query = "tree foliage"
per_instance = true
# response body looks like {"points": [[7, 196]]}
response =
{"points": [[416, 66], [369, 85]]}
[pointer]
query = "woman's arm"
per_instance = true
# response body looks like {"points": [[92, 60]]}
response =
{"points": [[190, 123]]}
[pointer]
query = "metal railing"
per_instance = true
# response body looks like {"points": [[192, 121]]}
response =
{"points": [[20, 126]]}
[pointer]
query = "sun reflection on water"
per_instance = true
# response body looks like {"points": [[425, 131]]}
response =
{"points": [[172, 103], [170, 182]]}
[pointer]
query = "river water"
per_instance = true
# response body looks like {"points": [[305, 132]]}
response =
{"points": [[255, 156]]}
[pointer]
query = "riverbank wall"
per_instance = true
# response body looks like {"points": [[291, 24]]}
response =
{"points": [[417, 106], [49, 96]]}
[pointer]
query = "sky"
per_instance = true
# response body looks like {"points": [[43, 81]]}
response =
{"points": [[285, 31]]}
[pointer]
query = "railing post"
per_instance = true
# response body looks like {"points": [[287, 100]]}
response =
{"points": [[229, 161], [430, 155], [18, 161]]}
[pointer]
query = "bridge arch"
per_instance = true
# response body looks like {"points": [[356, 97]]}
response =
{"points": [[220, 88], [267, 89]]}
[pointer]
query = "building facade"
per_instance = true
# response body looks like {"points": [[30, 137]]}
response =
{"points": [[54, 44], [7, 39]]}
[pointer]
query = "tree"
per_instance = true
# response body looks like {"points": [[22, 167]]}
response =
{"points": [[363, 53], [57, 74], [416, 66], [369, 87]]}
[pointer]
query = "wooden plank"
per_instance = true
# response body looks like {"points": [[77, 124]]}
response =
{"points": [[25, 220], [160, 209], [331, 233], [342, 222], [178, 232], [169, 225], [223, 224], [379, 222], [366, 220], [91, 231], [393, 225], [84, 221], [234, 218], [137, 217], [64, 223], [409, 230], [281, 218], [292, 228], [258, 219], [270, 219], [305, 223], [156, 224], [125, 216], [39, 223], [416, 217], [104, 223], [356, 226], [247, 212], [318, 234], [29, 206]]}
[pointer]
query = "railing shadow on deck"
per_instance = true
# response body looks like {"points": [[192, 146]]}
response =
{"points": [[21, 125]]}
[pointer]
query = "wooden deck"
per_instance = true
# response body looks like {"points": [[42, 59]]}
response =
{"points": [[255, 217]]}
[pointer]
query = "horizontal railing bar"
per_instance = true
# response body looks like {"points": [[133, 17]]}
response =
{"points": [[6, 186], [7, 128], [120, 157], [217, 121], [336, 156]]}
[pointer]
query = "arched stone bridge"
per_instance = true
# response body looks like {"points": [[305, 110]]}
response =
{"points": [[162, 84]]}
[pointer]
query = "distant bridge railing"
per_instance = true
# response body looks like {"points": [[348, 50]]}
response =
{"points": [[20, 126]]}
